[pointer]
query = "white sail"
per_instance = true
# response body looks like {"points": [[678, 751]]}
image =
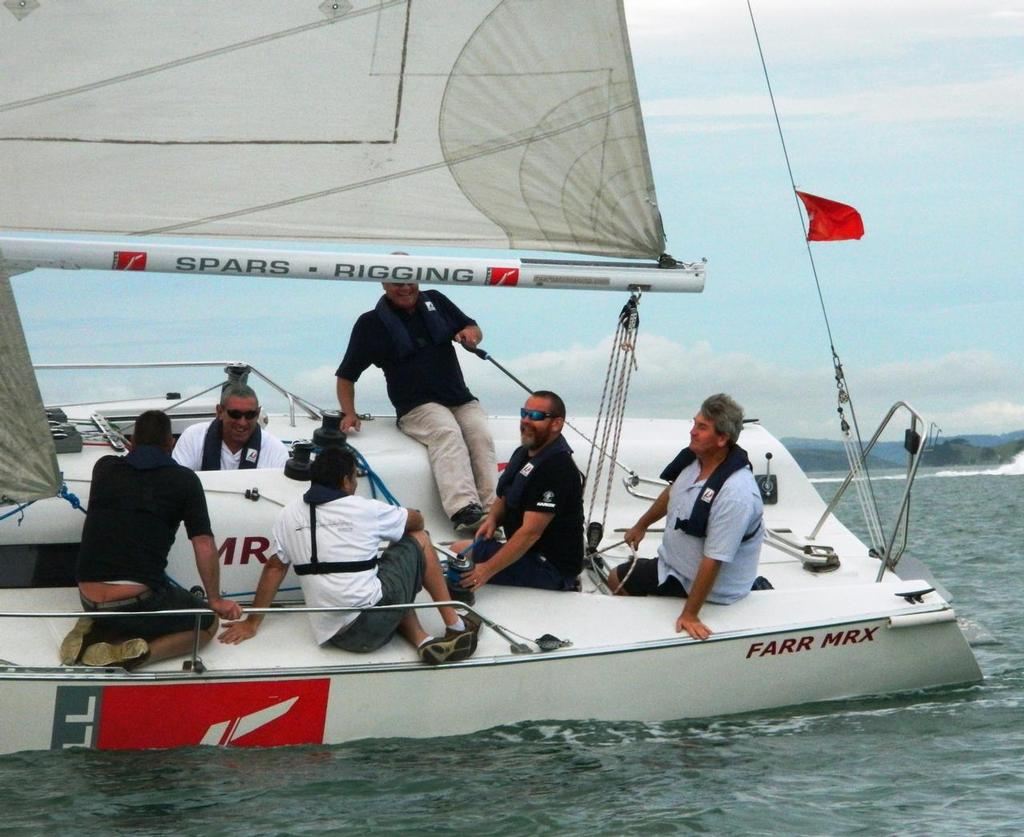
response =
{"points": [[490, 123], [28, 459]]}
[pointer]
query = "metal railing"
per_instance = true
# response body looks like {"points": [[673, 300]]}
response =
{"points": [[889, 547], [293, 400], [194, 663]]}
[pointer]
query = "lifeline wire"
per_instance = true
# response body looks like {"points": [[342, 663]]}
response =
{"points": [[857, 461]]}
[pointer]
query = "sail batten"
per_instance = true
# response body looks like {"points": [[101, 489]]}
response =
{"points": [[511, 124]]}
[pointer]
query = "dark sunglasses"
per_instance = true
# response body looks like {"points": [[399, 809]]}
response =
{"points": [[246, 414], [535, 415]]}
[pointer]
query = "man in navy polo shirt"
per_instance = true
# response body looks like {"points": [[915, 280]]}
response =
{"points": [[410, 336], [540, 506]]}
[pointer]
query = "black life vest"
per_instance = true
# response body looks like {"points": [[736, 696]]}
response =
{"points": [[512, 482], [249, 457], [439, 326], [697, 523], [317, 496]]}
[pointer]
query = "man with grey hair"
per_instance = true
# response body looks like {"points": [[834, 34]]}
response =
{"points": [[713, 527], [233, 440]]}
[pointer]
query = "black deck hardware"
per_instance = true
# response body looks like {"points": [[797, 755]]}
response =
{"points": [[916, 596]]}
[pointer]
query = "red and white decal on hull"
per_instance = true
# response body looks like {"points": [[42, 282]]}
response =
{"points": [[259, 714]]}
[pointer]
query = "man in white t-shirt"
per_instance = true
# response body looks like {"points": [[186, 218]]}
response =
{"points": [[331, 536], [713, 522], [233, 440]]}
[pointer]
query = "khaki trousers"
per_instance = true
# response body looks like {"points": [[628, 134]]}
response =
{"points": [[460, 450]]}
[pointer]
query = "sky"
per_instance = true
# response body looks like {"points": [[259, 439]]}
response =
{"points": [[910, 111]]}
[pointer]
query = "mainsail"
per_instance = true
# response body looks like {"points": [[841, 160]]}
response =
{"points": [[471, 123], [28, 459]]}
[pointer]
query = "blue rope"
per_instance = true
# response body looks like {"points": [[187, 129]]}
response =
{"points": [[71, 498], [376, 483], [17, 510], [67, 495]]}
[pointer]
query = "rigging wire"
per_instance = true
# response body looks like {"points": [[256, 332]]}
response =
{"points": [[614, 394], [855, 456]]}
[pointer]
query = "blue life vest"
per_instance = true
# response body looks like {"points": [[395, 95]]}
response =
{"points": [[439, 326], [512, 482], [212, 443], [697, 523]]}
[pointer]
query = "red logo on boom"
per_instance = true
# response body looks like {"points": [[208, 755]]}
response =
{"points": [[508, 276], [129, 260]]}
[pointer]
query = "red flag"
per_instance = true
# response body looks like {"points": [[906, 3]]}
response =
{"points": [[830, 220]]}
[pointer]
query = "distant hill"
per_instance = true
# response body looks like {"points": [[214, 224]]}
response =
{"points": [[974, 449]]}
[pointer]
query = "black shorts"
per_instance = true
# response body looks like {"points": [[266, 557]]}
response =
{"points": [[152, 627], [641, 579]]}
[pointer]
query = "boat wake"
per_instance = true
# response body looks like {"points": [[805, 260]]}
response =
{"points": [[1010, 469]]}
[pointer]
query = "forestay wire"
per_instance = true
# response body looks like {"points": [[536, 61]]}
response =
{"points": [[854, 451], [612, 409]]}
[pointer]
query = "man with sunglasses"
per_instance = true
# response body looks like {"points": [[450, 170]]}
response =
{"points": [[410, 335], [234, 440], [540, 506]]}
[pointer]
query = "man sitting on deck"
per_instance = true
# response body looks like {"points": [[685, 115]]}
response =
{"points": [[331, 536], [540, 505], [136, 504], [713, 528], [410, 335], [233, 440]]}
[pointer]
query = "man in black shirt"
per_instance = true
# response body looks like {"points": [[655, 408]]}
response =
{"points": [[136, 504], [540, 506], [410, 335]]}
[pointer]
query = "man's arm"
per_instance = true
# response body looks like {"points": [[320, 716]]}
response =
{"points": [[208, 564], [347, 402], [414, 522], [485, 531], [534, 524], [659, 508], [271, 577], [702, 584]]}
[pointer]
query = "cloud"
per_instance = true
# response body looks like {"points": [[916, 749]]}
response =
{"points": [[994, 99], [986, 417], [833, 30], [963, 392]]}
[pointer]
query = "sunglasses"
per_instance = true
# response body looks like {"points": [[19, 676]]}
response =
{"points": [[246, 414], [535, 415]]}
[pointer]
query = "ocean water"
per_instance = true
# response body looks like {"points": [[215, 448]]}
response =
{"points": [[942, 761]]}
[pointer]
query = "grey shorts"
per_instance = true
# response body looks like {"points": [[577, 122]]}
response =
{"points": [[401, 577]]}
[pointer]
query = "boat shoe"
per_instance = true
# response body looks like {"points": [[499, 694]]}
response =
{"points": [[453, 648], [130, 654], [469, 518], [71, 645], [472, 628]]}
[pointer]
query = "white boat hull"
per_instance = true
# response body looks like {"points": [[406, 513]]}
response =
{"points": [[326, 696], [816, 636]]}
